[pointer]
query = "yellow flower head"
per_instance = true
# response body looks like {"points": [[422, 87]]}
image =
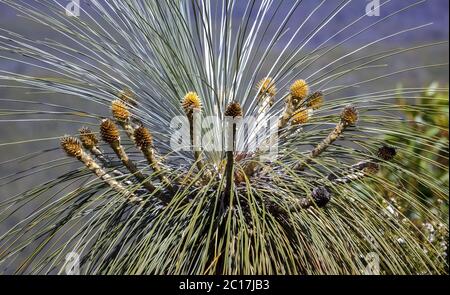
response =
{"points": [[300, 117], [266, 86], [190, 102], [72, 146], [299, 89], [349, 115], [120, 111]]}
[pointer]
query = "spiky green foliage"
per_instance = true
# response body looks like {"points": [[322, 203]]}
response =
{"points": [[296, 213]]}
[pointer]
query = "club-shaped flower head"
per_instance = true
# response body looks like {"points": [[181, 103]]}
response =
{"points": [[143, 137], [88, 138], [109, 131], [72, 146]]}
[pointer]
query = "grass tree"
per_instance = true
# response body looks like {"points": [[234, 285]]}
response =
{"points": [[129, 203]]}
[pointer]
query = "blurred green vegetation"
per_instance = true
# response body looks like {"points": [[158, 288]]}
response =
{"points": [[431, 145]]}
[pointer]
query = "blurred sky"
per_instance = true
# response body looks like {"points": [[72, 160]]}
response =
{"points": [[435, 11]]}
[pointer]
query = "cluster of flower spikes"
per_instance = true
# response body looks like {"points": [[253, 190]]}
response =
{"points": [[299, 107]]}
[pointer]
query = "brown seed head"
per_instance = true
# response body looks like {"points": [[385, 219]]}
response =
{"points": [[234, 110], [88, 138], [300, 117], [72, 146], [127, 96], [321, 196], [266, 86], [315, 100], [349, 115], [109, 131], [386, 153], [143, 137], [190, 102], [120, 111], [299, 89], [371, 168]]}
